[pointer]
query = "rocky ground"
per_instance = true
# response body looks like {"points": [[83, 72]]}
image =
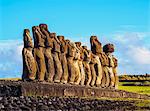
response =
{"points": [[23, 103], [11, 100]]}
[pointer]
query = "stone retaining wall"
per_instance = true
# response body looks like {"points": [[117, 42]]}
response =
{"points": [[9, 88]]}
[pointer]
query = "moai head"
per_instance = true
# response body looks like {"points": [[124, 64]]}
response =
{"points": [[85, 47], [93, 38], [53, 35], [108, 48], [67, 41], [44, 26], [96, 46], [36, 30], [78, 44], [27, 39], [87, 53], [39, 37], [61, 38]]}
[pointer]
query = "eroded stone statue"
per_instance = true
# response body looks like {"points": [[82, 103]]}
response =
{"points": [[55, 53], [63, 59], [54, 59], [80, 63], [93, 71], [29, 63], [96, 48], [109, 49], [70, 58], [86, 61], [77, 78], [39, 46], [50, 70], [115, 72]]}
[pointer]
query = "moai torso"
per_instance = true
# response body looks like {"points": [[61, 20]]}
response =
{"points": [[56, 43], [71, 50], [87, 54], [63, 45], [29, 63], [78, 45], [86, 61]]}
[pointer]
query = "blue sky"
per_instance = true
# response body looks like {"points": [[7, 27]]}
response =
{"points": [[126, 23]]}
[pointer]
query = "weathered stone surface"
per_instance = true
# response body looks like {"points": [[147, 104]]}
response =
{"points": [[9, 88], [65, 104], [29, 63], [39, 45], [61, 61]]}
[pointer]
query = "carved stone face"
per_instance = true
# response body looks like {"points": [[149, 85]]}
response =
{"points": [[43, 26], [27, 39], [93, 38], [61, 38], [67, 41], [52, 35], [78, 44], [84, 47]]}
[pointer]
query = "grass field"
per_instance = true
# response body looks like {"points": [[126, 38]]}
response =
{"points": [[136, 89]]}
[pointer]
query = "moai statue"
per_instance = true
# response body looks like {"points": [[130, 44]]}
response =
{"points": [[50, 71], [63, 59], [55, 53], [39, 46], [92, 68], [86, 61], [96, 48], [98, 71], [115, 72], [80, 63], [72, 62], [109, 49], [77, 76], [29, 63]]}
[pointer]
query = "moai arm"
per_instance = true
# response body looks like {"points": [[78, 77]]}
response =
{"points": [[39, 31], [46, 33]]}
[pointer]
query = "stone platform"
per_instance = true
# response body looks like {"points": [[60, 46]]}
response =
{"points": [[19, 88]]}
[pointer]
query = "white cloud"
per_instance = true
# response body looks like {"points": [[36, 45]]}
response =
{"points": [[133, 51], [10, 58], [140, 55]]}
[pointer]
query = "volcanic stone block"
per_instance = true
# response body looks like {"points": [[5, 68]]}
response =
{"points": [[9, 88]]}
